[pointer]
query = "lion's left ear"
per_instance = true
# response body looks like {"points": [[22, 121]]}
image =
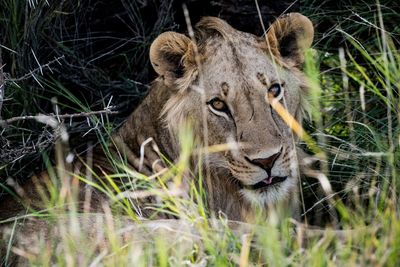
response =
{"points": [[289, 36]]}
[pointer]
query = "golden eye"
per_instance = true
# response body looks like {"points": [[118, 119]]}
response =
{"points": [[275, 89], [218, 104]]}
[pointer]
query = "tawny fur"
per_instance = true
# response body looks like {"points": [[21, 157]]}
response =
{"points": [[238, 68]]}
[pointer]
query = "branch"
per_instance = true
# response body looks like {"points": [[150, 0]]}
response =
{"points": [[63, 116], [31, 73], [2, 84]]}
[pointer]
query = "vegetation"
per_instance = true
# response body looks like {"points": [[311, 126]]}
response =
{"points": [[56, 63]]}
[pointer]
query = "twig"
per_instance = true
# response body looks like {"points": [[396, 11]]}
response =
{"points": [[2, 87], [63, 116], [31, 73]]}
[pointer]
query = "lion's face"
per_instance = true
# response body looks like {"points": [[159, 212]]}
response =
{"points": [[238, 79], [228, 92]]}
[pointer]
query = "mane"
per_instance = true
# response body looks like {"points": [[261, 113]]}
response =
{"points": [[210, 27]]}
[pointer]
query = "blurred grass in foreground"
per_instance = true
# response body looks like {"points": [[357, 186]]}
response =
{"points": [[355, 123]]}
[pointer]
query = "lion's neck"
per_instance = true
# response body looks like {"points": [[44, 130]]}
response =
{"points": [[145, 123]]}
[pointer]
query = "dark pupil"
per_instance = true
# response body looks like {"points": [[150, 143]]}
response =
{"points": [[275, 90]]}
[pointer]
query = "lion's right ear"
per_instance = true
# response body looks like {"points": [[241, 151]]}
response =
{"points": [[171, 54], [289, 36]]}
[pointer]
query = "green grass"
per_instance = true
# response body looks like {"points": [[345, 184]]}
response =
{"points": [[354, 122]]}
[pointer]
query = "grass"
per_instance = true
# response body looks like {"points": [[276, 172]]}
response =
{"points": [[354, 124]]}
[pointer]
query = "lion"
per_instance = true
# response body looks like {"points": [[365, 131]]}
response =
{"points": [[217, 80]]}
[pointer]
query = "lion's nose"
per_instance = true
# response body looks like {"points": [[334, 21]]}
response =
{"points": [[266, 163]]}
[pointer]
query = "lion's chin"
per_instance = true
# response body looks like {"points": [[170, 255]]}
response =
{"points": [[270, 195]]}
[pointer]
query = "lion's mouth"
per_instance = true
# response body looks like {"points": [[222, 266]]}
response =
{"points": [[267, 182]]}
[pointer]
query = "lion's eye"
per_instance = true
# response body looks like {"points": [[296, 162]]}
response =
{"points": [[275, 90], [218, 104]]}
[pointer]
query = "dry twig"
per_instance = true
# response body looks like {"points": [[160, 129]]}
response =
{"points": [[63, 116], [2, 83], [32, 72]]}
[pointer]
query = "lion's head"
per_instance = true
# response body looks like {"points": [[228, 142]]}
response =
{"points": [[221, 76]]}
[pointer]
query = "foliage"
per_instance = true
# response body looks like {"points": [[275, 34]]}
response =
{"points": [[67, 57]]}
